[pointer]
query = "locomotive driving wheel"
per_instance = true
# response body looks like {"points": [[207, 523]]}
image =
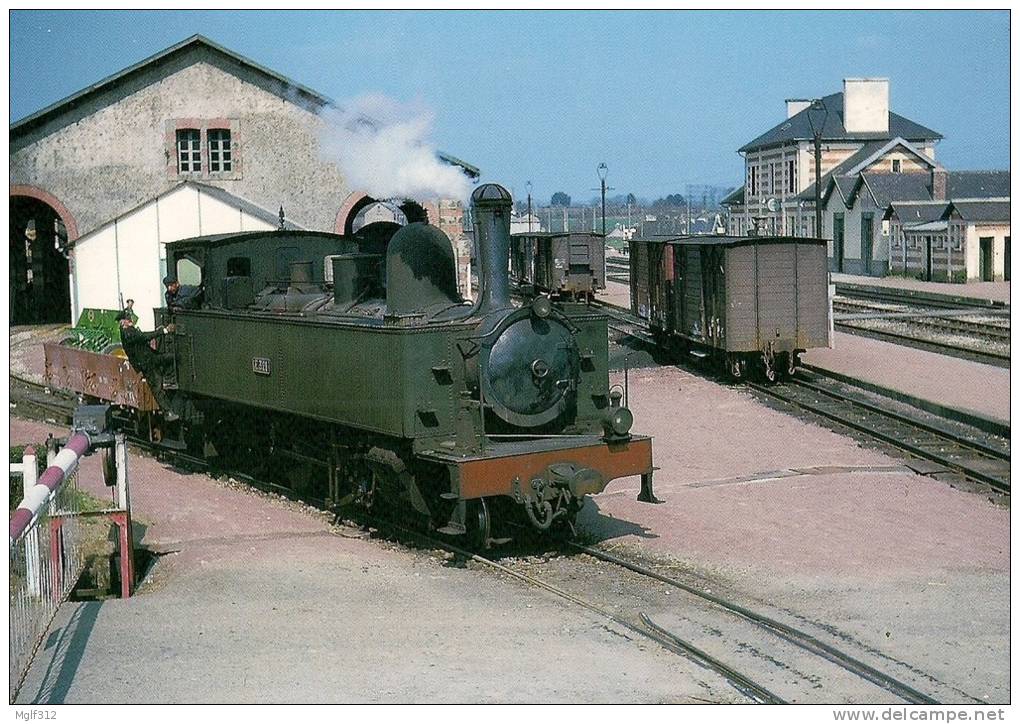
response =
{"points": [[479, 523]]}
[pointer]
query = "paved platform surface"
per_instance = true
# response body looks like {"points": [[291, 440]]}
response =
{"points": [[996, 291], [956, 383]]}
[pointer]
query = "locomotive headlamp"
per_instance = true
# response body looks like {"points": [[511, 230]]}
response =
{"points": [[541, 307], [617, 422]]}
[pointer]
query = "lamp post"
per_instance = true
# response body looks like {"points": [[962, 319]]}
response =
{"points": [[602, 170], [818, 114], [528, 187]]}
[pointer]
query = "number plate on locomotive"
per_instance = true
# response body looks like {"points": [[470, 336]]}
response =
{"points": [[260, 365]]}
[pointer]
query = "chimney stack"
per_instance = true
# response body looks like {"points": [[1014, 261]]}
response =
{"points": [[492, 205], [866, 105], [939, 183], [795, 106]]}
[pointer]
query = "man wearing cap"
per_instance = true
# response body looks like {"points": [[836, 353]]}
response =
{"points": [[152, 365]]}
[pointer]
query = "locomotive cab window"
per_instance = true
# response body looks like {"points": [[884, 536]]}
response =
{"points": [[189, 273]]}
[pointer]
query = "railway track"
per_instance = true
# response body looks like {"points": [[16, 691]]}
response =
{"points": [[791, 634], [638, 622], [973, 455], [928, 328], [974, 354]]}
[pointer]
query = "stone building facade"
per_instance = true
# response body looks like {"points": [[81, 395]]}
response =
{"points": [[194, 112]]}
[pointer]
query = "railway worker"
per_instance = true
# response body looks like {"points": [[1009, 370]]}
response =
{"points": [[129, 309], [153, 365], [182, 297], [173, 290]]}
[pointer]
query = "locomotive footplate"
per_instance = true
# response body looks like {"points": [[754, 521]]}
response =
{"points": [[581, 465]]}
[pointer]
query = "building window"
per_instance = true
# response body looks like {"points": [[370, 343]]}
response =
{"points": [[752, 180], [791, 183], [189, 151], [897, 165], [219, 151], [772, 178]]}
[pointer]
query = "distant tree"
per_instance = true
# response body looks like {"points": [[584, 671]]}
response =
{"points": [[672, 200], [631, 199], [560, 199]]}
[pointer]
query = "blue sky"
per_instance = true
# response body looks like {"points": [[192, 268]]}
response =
{"points": [[664, 98]]}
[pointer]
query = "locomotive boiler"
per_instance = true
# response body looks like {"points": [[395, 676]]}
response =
{"points": [[352, 366]]}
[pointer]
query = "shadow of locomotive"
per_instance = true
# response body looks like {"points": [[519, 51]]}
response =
{"points": [[594, 526]]}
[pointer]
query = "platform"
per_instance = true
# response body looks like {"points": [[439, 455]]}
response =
{"points": [[994, 291], [972, 387]]}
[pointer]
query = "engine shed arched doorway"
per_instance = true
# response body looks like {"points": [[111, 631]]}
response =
{"points": [[39, 291]]}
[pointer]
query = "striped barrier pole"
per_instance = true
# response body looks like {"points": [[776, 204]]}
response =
{"points": [[63, 465]]}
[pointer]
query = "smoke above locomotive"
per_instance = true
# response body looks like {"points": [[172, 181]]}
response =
{"points": [[384, 148]]}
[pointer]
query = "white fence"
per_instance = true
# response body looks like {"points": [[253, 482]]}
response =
{"points": [[45, 561]]}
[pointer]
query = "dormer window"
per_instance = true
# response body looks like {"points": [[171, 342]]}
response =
{"points": [[189, 150], [897, 165]]}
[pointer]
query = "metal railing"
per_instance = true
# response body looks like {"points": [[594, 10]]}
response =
{"points": [[47, 555]]}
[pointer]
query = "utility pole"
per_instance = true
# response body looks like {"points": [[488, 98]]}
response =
{"points": [[528, 186]]}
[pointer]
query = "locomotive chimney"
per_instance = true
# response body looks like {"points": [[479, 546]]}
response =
{"points": [[492, 204]]}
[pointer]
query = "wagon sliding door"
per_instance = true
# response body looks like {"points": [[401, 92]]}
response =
{"points": [[691, 298], [777, 292]]}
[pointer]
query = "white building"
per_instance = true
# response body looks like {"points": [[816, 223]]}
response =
{"points": [[125, 258]]}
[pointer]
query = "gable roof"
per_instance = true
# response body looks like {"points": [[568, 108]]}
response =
{"points": [[897, 142], [980, 211], [841, 169], [225, 197], [912, 214], [798, 128], [978, 184], [173, 58], [887, 188], [734, 197]]}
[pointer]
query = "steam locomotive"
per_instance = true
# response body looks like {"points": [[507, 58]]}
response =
{"points": [[351, 366]]}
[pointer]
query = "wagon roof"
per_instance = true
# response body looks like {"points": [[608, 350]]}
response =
{"points": [[722, 240]]}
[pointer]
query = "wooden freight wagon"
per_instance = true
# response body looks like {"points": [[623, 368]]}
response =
{"points": [[753, 302], [563, 264]]}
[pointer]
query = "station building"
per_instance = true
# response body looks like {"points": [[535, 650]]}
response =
{"points": [[874, 165], [194, 140]]}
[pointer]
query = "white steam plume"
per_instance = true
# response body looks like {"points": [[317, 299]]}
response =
{"points": [[383, 148]]}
